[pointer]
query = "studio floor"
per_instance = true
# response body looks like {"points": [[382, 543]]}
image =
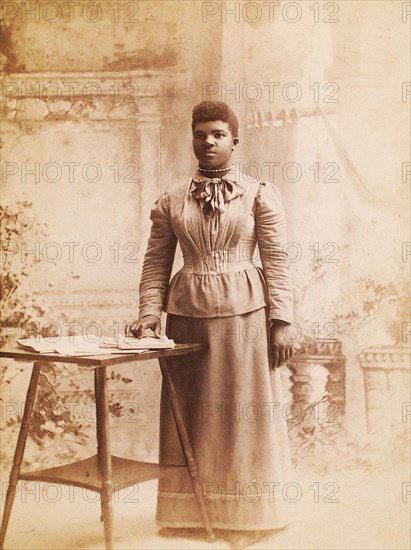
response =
{"points": [[361, 509]]}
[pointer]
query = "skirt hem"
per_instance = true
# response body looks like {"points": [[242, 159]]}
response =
{"points": [[219, 525]]}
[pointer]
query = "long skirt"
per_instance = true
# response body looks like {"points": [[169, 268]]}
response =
{"points": [[231, 401]]}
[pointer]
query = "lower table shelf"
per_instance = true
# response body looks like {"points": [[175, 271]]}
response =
{"points": [[85, 473]]}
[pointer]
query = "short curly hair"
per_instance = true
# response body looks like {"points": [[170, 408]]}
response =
{"points": [[215, 110]]}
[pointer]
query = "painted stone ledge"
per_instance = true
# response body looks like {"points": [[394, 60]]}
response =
{"points": [[112, 95], [328, 354], [386, 371]]}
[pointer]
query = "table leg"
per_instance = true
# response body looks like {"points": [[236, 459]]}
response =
{"points": [[19, 452], [186, 447], [104, 453], [98, 433]]}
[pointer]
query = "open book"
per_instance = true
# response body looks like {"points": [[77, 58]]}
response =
{"points": [[129, 343]]}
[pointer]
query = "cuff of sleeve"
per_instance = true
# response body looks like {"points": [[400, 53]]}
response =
{"points": [[144, 313], [277, 316], [282, 321]]}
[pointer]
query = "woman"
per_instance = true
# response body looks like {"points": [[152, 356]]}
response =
{"points": [[229, 395]]}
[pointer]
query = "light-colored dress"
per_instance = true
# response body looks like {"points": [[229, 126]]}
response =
{"points": [[231, 399]]}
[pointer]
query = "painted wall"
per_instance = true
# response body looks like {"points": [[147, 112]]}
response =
{"points": [[320, 91], [97, 108], [112, 90]]}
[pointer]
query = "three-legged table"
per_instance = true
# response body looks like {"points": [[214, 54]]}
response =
{"points": [[103, 472]]}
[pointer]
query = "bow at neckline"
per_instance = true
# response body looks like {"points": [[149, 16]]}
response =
{"points": [[215, 192]]}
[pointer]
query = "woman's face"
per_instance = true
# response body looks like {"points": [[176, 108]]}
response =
{"points": [[213, 144]]}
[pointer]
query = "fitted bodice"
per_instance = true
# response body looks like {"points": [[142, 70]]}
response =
{"points": [[220, 243], [222, 273]]}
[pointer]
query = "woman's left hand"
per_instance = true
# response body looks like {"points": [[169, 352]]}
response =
{"points": [[282, 348]]}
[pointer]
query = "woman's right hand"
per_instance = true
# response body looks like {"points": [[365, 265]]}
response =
{"points": [[139, 327]]}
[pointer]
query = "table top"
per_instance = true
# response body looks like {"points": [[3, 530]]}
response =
{"points": [[99, 360]]}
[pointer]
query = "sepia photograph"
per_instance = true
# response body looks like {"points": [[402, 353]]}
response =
{"points": [[205, 285]]}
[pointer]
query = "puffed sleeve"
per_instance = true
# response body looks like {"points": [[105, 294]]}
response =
{"points": [[158, 260], [271, 238]]}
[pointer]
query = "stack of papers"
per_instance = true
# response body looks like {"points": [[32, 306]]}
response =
{"points": [[40, 345], [78, 345]]}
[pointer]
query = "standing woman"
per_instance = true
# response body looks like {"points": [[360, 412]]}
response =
{"points": [[230, 394]]}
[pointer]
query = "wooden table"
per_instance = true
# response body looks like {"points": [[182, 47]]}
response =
{"points": [[103, 472]]}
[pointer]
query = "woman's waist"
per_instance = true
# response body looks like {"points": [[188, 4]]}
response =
{"points": [[219, 261], [214, 294]]}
